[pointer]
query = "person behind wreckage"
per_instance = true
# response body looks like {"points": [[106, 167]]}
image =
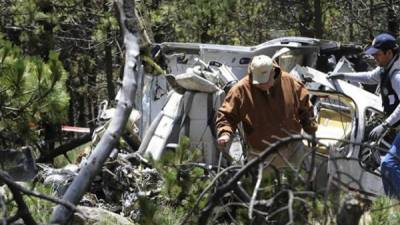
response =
{"points": [[387, 74], [269, 102]]}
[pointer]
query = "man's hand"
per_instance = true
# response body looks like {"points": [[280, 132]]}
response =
{"points": [[377, 132], [334, 76], [223, 141]]}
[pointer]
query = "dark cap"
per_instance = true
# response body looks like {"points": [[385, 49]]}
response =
{"points": [[382, 41]]}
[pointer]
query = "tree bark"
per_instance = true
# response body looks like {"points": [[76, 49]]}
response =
{"points": [[96, 160], [318, 26], [109, 71], [371, 18], [108, 62], [305, 20], [351, 30], [393, 24]]}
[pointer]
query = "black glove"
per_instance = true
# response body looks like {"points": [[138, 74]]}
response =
{"points": [[333, 76], [377, 132]]}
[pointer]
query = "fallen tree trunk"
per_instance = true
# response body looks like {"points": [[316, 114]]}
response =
{"points": [[126, 98], [64, 148]]}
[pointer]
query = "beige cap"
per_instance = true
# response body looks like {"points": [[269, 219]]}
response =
{"points": [[260, 68]]}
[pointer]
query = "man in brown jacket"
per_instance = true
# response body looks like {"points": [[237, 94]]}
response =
{"points": [[268, 102]]}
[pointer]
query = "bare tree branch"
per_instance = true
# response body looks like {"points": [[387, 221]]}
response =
{"points": [[254, 196], [126, 98], [273, 148]]}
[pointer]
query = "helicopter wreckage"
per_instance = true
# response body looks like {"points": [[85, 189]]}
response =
{"points": [[184, 102]]}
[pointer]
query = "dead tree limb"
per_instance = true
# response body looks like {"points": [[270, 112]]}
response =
{"points": [[289, 211], [125, 100], [228, 186], [254, 196]]}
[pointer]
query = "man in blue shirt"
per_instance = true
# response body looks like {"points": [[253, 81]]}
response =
{"points": [[387, 75]]}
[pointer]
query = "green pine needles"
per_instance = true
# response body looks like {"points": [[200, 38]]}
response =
{"points": [[31, 92], [183, 182]]}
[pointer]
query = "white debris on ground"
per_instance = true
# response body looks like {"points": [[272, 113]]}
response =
{"points": [[116, 189]]}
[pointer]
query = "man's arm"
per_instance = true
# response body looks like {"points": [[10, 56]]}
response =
{"points": [[227, 120], [369, 77], [228, 116]]}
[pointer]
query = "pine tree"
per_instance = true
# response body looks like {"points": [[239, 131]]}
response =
{"points": [[32, 94]]}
